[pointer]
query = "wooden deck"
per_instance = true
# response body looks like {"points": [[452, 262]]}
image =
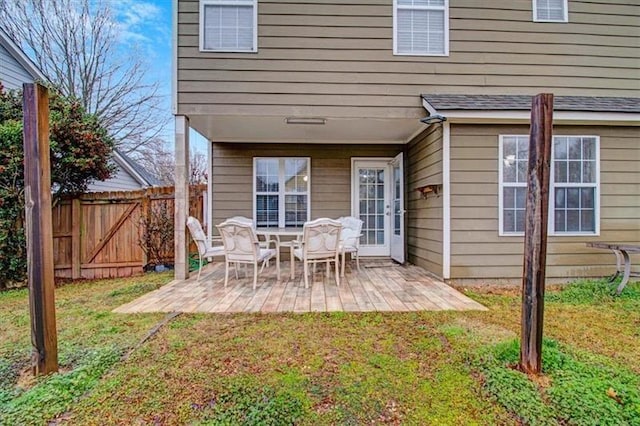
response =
{"points": [[380, 285]]}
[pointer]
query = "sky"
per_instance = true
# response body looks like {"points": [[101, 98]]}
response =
{"points": [[147, 25]]}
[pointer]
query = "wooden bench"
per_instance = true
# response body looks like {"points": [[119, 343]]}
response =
{"points": [[622, 258]]}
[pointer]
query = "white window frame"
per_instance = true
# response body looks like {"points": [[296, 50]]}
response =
{"points": [[445, 8], [252, 3], [552, 187], [282, 193], [502, 185], [595, 185], [563, 20]]}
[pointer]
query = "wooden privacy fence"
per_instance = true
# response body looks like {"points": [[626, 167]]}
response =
{"points": [[100, 235]]}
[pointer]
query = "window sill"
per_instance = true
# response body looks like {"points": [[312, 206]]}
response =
{"points": [[442, 55], [226, 51], [549, 234], [551, 21]]}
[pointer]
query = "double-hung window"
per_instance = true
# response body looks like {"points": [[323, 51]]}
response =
{"points": [[281, 191], [229, 25], [550, 11], [421, 27], [574, 198], [574, 185], [513, 179]]}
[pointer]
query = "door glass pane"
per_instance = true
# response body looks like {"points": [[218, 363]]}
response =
{"points": [[397, 208], [371, 190], [396, 217]]}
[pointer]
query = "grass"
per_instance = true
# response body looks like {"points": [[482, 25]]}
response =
{"points": [[444, 368], [91, 340], [575, 388]]}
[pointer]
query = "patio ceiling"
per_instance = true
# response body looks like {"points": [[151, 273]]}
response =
{"points": [[275, 129]]}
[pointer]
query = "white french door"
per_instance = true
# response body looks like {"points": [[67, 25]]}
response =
{"points": [[373, 198], [397, 209]]}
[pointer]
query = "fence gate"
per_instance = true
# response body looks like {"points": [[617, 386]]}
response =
{"points": [[98, 235]]}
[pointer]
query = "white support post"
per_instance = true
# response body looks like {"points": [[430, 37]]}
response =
{"points": [[209, 205], [181, 246], [446, 201]]}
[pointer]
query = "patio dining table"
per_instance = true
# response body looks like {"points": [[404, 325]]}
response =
{"points": [[290, 232]]}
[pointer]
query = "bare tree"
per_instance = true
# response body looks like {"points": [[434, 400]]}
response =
{"points": [[197, 168], [75, 43], [158, 160]]}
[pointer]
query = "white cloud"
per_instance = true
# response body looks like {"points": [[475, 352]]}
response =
{"points": [[140, 22]]}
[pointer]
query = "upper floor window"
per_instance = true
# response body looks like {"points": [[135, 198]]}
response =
{"points": [[229, 25], [574, 185], [421, 27], [550, 11], [281, 191]]}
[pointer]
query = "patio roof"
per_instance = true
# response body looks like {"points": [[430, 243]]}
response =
{"points": [[445, 102], [506, 109]]}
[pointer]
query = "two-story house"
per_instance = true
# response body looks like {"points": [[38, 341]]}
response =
{"points": [[414, 116]]}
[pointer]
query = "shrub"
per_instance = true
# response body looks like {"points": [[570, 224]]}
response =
{"points": [[80, 151]]}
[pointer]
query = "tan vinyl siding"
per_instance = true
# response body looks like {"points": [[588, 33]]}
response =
{"points": [[478, 252], [424, 216], [335, 58], [232, 175]]}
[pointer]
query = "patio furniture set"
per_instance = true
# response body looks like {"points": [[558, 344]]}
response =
{"points": [[321, 240]]}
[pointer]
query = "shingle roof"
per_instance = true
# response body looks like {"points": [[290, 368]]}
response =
{"points": [[144, 173], [522, 102]]}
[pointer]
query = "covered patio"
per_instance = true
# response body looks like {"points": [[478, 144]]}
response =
{"points": [[380, 285]]}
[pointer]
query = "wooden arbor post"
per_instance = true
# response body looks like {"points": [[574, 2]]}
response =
{"points": [[535, 233], [37, 194]]}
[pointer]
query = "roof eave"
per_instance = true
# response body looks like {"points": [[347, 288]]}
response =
{"points": [[122, 161], [524, 116], [15, 51]]}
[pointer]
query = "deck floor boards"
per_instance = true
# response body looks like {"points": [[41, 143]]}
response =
{"points": [[378, 286]]}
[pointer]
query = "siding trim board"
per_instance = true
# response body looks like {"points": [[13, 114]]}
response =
{"points": [[174, 57], [559, 117], [446, 207]]}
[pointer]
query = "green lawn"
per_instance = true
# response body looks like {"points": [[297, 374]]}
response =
{"points": [[441, 368]]}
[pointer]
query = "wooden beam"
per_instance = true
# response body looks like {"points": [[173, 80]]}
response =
{"points": [[535, 233], [39, 229]]}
